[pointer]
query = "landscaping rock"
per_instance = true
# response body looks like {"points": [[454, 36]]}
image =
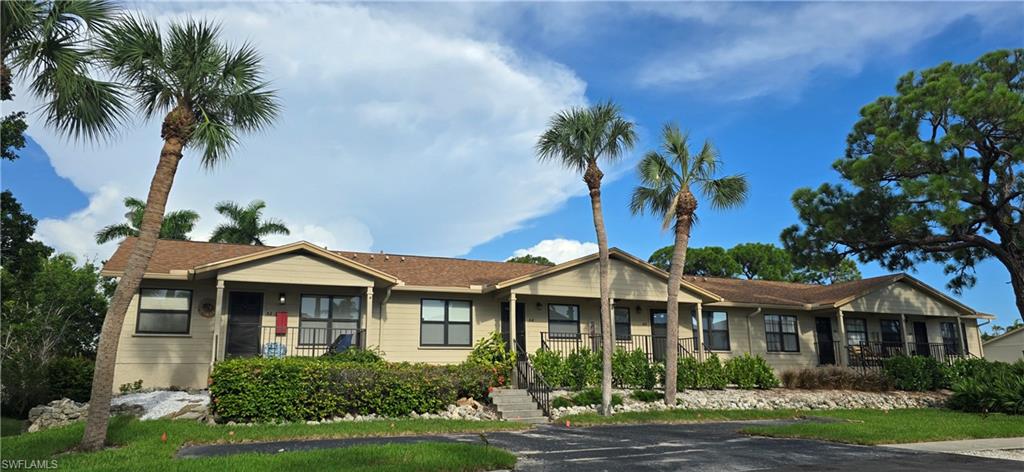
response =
{"points": [[774, 399], [177, 405]]}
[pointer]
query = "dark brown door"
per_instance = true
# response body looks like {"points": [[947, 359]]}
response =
{"points": [[921, 347], [244, 312], [520, 324], [659, 334], [826, 346]]}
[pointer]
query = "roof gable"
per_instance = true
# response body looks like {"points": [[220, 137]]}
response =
{"points": [[632, 268], [301, 246]]}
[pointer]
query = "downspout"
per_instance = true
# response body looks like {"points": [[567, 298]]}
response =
{"points": [[383, 311], [750, 339]]}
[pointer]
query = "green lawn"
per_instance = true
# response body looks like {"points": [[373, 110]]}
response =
{"points": [[678, 416], [898, 426], [139, 446]]}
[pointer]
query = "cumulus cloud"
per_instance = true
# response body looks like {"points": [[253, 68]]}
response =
{"points": [[397, 134], [558, 250], [757, 49], [76, 233]]}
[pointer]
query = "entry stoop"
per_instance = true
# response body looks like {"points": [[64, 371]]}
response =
{"points": [[517, 405]]}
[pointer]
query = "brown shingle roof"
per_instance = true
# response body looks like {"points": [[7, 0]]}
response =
{"points": [[413, 270], [787, 293]]}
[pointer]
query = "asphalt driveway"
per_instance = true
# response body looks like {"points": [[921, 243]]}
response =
{"points": [[705, 447]]}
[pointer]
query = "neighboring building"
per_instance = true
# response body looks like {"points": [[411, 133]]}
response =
{"points": [[1007, 347], [202, 302]]}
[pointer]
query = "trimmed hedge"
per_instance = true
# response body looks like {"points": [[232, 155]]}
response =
{"points": [[630, 369], [915, 373], [749, 372], [294, 389], [697, 375]]}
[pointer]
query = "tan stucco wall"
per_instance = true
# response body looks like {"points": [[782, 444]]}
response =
{"points": [[901, 298], [1009, 348], [627, 283], [400, 337], [296, 269], [165, 360]]}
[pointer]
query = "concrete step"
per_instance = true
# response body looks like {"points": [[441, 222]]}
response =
{"points": [[516, 405], [529, 410], [500, 392], [539, 419]]}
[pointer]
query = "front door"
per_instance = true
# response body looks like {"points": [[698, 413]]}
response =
{"points": [[921, 347], [826, 346], [659, 334], [520, 324], [244, 312]]}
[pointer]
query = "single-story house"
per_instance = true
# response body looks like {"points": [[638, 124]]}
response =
{"points": [[1007, 347], [203, 302]]}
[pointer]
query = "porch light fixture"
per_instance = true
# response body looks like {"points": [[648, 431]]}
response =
{"points": [[540, 306], [280, 298]]}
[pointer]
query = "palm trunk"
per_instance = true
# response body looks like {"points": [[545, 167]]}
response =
{"points": [[594, 185], [675, 276], [106, 355]]}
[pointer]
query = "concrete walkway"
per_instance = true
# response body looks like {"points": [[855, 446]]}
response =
{"points": [[963, 445], [660, 447]]}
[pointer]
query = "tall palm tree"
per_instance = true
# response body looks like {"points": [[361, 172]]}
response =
{"points": [[49, 44], [667, 183], [208, 93], [176, 225], [577, 138], [247, 225]]}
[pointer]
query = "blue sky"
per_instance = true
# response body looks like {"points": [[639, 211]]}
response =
{"points": [[417, 112]]}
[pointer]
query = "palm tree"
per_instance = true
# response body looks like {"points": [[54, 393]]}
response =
{"points": [[247, 225], [208, 93], [176, 225], [666, 191], [49, 44], [577, 138]]}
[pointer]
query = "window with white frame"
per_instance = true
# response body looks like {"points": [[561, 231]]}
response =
{"points": [[164, 311], [716, 329], [856, 331]]}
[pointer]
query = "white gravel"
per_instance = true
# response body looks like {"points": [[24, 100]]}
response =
{"points": [[1008, 454], [161, 402]]}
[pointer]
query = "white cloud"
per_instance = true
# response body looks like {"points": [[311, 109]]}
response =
{"points": [[757, 49], [76, 233], [397, 134], [558, 250]]}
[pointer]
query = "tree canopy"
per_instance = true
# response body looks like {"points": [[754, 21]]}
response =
{"points": [[531, 259], [175, 225], [758, 261], [932, 174]]}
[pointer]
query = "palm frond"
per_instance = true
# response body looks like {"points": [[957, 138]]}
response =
{"points": [[115, 231], [726, 192], [177, 224], [229, 209], [705, 163]]}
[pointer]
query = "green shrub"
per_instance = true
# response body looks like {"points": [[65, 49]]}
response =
{"points": [[995, 389], [70, 377], [582, 369], [836, 378], [915, 373], [562, 402], [491, 352], [294, 389], [631, 369], [359, 356], [693, 374], [688, 374], [551, 366], [712, 374], [647, 396], [587, 397], [749, 372]]}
